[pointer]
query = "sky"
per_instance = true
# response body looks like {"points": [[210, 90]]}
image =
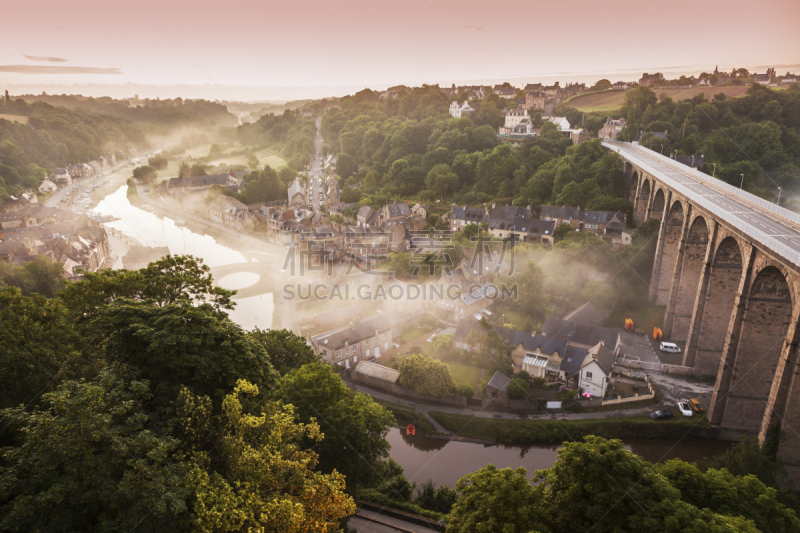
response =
{"points": [[255, 50]]}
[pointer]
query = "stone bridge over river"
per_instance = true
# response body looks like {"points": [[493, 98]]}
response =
{"points": [[727, 268]]}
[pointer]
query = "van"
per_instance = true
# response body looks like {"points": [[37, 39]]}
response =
{"points": [[670, 347]]}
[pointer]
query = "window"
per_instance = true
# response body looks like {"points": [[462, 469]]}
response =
{"points": [[588, 375], [339, 354], [347, 350]]}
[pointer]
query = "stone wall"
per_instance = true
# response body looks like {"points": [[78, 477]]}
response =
{"points": [[396, 389]]}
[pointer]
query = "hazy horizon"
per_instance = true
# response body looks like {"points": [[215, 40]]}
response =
{"points": [[312, 49]]}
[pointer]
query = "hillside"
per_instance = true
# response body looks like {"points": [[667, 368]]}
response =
{"points": [[606, 101]]}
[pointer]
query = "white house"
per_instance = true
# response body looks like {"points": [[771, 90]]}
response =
{"points": [[594, 373], [459, 110], [561, 122], [515, 116], [47, 186]]}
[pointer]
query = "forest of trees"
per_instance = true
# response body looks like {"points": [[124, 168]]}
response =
{"points": [[289, 134], [147, 407], [56, 137], [757, 135]]}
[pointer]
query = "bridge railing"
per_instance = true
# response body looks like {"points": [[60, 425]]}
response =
{"points": [[768, 241]]}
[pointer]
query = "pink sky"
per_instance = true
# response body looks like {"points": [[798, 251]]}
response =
{"points": [[340, 47]]}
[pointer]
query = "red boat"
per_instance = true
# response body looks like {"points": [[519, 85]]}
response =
{"points": [[411, 430]]}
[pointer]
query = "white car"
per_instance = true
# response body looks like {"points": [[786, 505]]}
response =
{"points": [[685, 409], [670, 347], [430, 339]]}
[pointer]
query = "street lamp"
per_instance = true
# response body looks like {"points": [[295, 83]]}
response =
{"points": [[741, 186], [713, 174], [779, 195]]}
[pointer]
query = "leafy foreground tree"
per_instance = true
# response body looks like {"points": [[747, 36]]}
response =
{"points": [[597, 485], [286, 350], [355, 426], [92, 463]]}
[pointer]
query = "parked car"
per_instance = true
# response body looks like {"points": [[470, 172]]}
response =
{"points": [[670, 347], [430, 339], [695, 405], [685, 409], [661, 415]]}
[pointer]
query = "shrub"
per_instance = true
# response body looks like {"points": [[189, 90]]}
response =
{"points": [[426, 376], [522, 374], [465, 389], [517, 389], [566, 394], [539, 382]]}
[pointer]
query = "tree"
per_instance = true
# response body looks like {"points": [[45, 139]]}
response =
{"points": [[346, 165], [263, 481], [106, 469], [40, 276], [727, 494], [493, 352], [145, 174], [355, 425], [181, 346], [424, 375], [598, 485], [601, 294], [286, 350], [562, 230], [439, 499], [492, 500], [171, 279], [184, 170], [158, 162]]}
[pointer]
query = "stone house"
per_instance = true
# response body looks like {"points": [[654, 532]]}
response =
{"points": [[229, 211], [359, 340], [562, 215], [535, 100], [612, 127], [583, 335], [297, 193], [496, 392], [461, 216]]}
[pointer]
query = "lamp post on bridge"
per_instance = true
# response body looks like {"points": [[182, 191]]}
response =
{"points": [[713, 174], [741, 185], [779, 195]]}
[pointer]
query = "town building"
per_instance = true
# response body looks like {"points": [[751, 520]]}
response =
{"points": [[458, 110], [561, 215], [761, 79], [47, 186], [230, 180], [594, 371], [229, 211], [297, 193], [651, 80], [610, 130], [61, 177], [359, 340], [460, 216], [535, 100], [583, 335]]}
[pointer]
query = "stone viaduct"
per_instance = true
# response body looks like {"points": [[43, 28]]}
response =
{"points": [[727, 268]]}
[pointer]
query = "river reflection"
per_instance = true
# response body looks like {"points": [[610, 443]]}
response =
{"points": [[448, 461], [154, 230]]}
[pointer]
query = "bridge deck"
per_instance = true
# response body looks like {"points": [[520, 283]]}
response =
{"points": [[767, 224]]}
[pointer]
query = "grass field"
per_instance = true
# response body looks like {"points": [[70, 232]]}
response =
{"points": [[527, 432], [646, 316], [611, 100], [15, 118], [464, 373]]}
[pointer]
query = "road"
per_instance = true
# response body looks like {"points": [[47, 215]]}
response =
{"points": [[775, 228], [316, 182]]}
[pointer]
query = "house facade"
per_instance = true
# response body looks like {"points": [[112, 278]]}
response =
{"points": [[360, 340], [611, 128]]}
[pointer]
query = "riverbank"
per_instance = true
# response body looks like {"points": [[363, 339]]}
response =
{"points": [[522, 432]]}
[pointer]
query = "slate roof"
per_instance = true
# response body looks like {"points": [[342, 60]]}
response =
{"points": [[603, 356], [578, 333], [563, 212], [353, 334], [377, 371], [468, 214], [573, 360], [508, 213], [533, 226], [398, 210], [601, 217], [335, 315], [365, 211], [499, 381]]}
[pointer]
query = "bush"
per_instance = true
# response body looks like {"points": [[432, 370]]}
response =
{"points": [[566, 394], [539, 382], [517, 388], [438, 499], [424, 375], [522, 374], [465, 389]]}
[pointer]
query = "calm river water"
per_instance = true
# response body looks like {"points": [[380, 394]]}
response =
{"points": [[448, 461], [422, 458]]}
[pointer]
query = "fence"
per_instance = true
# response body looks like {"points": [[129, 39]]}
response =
{"points": [[636, 397], [657, 367]]}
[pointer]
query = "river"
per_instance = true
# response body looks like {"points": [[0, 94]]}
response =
{"points": [[448, 461], [154, 230], [421, 458]]}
